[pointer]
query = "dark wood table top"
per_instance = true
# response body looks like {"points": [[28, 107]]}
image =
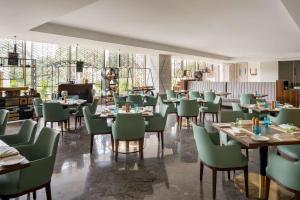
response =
{"points": [[7, 169], [270, 132]]}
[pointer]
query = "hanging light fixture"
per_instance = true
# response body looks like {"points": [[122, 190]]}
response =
{"points": [[13, 57], [79, 64]]}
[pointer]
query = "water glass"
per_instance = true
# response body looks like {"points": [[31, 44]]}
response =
{"points": [[277, 104], [116, 110], [266, 121], [257, 130], [266, 105]]}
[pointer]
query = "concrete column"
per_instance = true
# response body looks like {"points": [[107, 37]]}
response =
{"points": [[165, 73]]}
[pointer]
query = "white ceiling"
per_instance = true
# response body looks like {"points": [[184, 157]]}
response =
{"points": [[224, 29]]}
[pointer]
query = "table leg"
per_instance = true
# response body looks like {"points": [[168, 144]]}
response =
{"points": [[263, 161]]}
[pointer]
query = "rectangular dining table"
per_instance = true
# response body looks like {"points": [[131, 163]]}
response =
{"points": [[260, 109], [247, 141], [7, 169]]}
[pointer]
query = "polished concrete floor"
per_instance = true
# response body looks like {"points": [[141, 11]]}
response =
{"points": [[169, 174]]}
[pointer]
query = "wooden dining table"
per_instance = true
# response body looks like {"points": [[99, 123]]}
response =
{"points": [[260, 109], [7, 169], [110, 112], [277, 136]]}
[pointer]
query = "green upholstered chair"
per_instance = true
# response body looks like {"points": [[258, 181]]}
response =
{"points": [[247, 99], [188, 109], [283, 171], [194, 95], [157, 123], [41, 155], [218, 158], [79, 113], [286, 115], [151, 101], [95, 126], [38, 108], [172, 107], [135, 100], [170, 94], [54, 112], [209, 96], [211, 107], [129, 127], [247, 115], [119, 101], [291, 116], [3, 120], [26, 134]]}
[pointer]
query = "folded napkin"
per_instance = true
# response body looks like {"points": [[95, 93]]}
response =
{"points": [[288, 127], [6, 151], [284, 137], [224, 125], [237, 131]]}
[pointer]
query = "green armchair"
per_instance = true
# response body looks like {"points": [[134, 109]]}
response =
{"points": [[291, 116], [247, 115], [3, 120], [170, 94], [95, 126], [209, 96], [218, 158], [188, 109], [38, 108], [194, 95], [79, 113], [212, 108], [151, 101], [54, 112], [25, 136], [129, 127], [134, 99], [119, 101], [157, 123], [172, 107], [41, 155], [247, 99], [283, 171]]}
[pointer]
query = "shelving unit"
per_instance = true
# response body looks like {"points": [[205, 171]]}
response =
{"points": [[110, 83], [138, 83]]}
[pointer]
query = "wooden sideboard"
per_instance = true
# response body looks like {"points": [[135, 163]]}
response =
{"points": [[284, 94]]}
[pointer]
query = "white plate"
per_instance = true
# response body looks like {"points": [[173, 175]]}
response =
{"points": [[260, 138], [12, 160]]}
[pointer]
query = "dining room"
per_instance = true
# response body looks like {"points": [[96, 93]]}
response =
{"points": [[139, 99]]}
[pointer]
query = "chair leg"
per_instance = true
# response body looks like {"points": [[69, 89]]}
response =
{"points": [[48, 191], [213, 117], [217, 118], [201, 171], [228, 174], [214, 177], [79, 121], [75, 123], [203, 118], [45, 123], [247, 153], [117, 149], [34, 195], [158, 136], [62, 128], [246, 180], [112, 142], [200, 115], [268, 182], [141, 150], [68, 124], [180, 122], [162, 139], [92, 143], [51, 124]]}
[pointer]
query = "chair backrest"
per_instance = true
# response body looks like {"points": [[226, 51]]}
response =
{"points": [[42, 155], [188, 108], [194, 94], [287, 115], [3, 120], [52, 110], [128, 126], [94, 125], [170, 94], [209, 96], [27, 131], [230, 116], [93, 106], [247, 99], [236, 107], [204, 145], [37, 105], [217, 100], [135, 99]]}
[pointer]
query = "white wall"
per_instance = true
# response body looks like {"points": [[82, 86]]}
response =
{"points": [[269, 71]]}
